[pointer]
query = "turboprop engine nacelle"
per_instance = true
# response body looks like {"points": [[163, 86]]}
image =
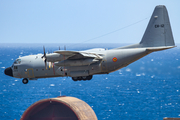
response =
{"points": [[53, 57]]}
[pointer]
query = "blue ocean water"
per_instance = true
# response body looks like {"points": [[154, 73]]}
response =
{"points": [[148, 89]]}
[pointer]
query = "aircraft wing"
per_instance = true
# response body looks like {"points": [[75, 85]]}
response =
{"points": [[69, 53], [78, 54]]}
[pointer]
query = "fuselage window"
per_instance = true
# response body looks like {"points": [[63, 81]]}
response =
{"points": [[15, 67]]}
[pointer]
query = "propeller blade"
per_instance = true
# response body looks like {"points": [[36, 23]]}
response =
{"points": [[44, 51], [44, 57]]}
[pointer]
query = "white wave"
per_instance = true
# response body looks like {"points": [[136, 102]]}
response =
{"points": [[52, 84], [143, 74], [138, 74], [120, 71], [153, 97], [3, 67], [169, 103], [152, 60], [152, 76], [128, 69]]}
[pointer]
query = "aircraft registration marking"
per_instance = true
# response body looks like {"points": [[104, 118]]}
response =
{"points": [[114, 59]]}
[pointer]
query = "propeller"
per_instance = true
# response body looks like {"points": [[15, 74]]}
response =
{"points": [[44, 57]]}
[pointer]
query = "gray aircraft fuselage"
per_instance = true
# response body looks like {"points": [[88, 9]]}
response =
{"points": [[82, 65], [33, 66]]}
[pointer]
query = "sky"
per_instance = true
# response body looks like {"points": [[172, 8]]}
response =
{"points": [[80, 21]]}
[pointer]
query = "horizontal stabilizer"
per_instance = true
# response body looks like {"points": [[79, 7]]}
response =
{"points": [[159, 48]]}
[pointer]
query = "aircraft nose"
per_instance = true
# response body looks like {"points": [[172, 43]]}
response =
{"points": [[8, 71]]}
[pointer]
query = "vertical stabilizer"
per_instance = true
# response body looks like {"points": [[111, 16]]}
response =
{"points": [[158, 32]]}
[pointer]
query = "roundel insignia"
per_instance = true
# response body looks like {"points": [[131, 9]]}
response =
{"points": [[114, 59]]}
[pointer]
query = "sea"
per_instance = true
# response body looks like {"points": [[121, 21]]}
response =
{"points": [[148, 89]]}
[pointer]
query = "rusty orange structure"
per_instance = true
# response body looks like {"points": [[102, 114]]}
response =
{"points": [[60, 108]]}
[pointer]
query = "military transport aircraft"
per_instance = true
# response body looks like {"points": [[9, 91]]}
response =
{"points": [[82, 65]]}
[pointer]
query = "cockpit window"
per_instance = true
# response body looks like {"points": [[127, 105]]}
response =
{"points": [[17, 61]]}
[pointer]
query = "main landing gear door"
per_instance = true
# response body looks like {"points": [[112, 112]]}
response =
{"points": [[104, 65], [30, 73]]}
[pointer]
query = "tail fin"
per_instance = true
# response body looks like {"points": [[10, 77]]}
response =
{"points": [[158, 32]]}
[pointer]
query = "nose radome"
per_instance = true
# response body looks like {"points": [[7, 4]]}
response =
{"points": [[8, 71]]}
